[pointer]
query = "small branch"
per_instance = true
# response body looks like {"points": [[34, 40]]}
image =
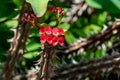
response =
{"points": [[77, 10]]}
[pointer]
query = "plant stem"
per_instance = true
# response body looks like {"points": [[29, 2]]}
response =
{"points": [[45, 62]]}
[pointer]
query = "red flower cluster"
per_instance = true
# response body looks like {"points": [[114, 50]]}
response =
{"points": [[29, 18], [58, 10], [51, 36]]}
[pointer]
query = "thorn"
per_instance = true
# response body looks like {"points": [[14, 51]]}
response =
{"points": [[74, 61], [116, 19], [104, 27], [21, 51], [13, 29], [10, 40], [69, 56]]}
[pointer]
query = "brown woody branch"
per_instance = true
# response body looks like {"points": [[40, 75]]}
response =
{"points": [[93, 68], [93, 41], [17, 45], [96, 69], [45, 63]]}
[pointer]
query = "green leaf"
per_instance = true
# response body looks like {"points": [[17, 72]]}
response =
{"points": [[92, 29], [34, 33], [30, 55], [100, 53], [6, 8], [94, 3], [52, 23], [112, 6], [17, 3], [32, 46], [39, 6], [69, 37], [102, 18], [11, 23], [65, 26], [88, 55], [87, 78], [79, 32]]}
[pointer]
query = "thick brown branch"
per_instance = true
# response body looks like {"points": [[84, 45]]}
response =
{"points": [[45, 62], [93, 41], [92, 68], [17, 46]]}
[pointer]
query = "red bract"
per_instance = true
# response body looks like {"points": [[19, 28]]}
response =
{"points": [[61, 31], [62, 13], [25, 14], [55, 31], [55, 41], [61, 41], [32, 22], [33, 16], [43, 39], [48, 30], [51, 36], [41, 30], [51, 8], [29, 18], [49, 39], [59, 9]]}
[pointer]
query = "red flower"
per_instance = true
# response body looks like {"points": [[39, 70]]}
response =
{"points": [[59, 9], [48, 30], [25, 14], [41, 30], [62, 13], [51, 8], [29, 18], [33, 16], [43, 39], [32, 22], [51, 36], [49, 39], [61, 41], [55, 41], [55, 31], [61, 31]]}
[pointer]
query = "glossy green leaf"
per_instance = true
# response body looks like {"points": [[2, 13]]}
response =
{"points": [[6, 8], [94, 3], [30, 55], [39, 6], [17, 3], [11, 23], [112, 6], [34, 33], [32, 46], [65, 26], [92, 29], [52, 23], [100, 53], [69, 37], [99, 18], [79, 32]]}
